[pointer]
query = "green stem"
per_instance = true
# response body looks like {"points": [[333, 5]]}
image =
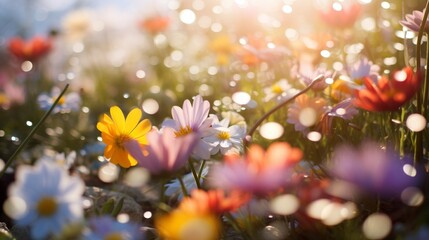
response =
{"points": [[194, 173], [182, 185], [418, 150], [32, 132], [279, 106], [200, 172]]}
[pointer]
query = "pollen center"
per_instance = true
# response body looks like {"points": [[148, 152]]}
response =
{"points": [[113, 236], [183, 131], [120, 140], [223, 135], [47, 206], [276, 89]]}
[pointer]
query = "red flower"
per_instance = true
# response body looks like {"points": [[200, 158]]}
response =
{"points": [[341, 15], [155, 24], [30, 50], [388, 95]]}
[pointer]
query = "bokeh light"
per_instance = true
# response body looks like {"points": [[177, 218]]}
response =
{"points": [[136, 177], [150, 106], [284, 204], [26, 66], [416, 122], [241, 98], [308, 116], [377, 226], [15, 207], [412, 196], [108, 173], [271, 130]]}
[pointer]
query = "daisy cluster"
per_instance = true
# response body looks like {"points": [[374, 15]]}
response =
{"points": [[206, 120]]}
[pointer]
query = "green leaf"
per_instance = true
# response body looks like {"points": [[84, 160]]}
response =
{"points": [[118, 207]]}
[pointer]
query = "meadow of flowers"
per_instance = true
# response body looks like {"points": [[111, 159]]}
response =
{"points": [[221, 119]]}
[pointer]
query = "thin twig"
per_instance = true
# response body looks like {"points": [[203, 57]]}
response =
{"points": [[36, 127], [266, 115]]}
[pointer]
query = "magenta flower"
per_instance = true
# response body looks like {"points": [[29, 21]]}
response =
{"points": [[373, 169], [193, 119], [413, 21], [165, 152]]}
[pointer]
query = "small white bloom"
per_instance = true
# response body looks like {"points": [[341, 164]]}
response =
{"points": [[279, 91], [52, 198], [224, 137], [59, 158]]}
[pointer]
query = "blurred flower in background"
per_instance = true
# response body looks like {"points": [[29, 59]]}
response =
{"points": [[45, 198]]}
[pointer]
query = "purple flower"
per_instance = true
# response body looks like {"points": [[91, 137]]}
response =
{"points": [[108, 228], [413, 21], [364, 68], [307, 76], [373, 169], [344, 109], [165, 152]]}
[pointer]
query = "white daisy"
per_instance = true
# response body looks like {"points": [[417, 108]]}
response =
{"points": [[279, 91], [225, 138], [51, 198]]}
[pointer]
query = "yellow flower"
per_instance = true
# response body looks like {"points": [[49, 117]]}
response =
{"points": [[117, 130], [184, 225]]}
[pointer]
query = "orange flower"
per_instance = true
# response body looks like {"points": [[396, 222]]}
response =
{"points": [[259, 172], [30, 50], [388, 95], [213, 201], [155, 24]]}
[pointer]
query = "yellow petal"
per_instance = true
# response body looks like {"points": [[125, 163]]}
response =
{"points": [[102, 125], [120, 157], [108, 151], [107, 138], [132, 120], [132, 160], [141, 129], [118, 118]]}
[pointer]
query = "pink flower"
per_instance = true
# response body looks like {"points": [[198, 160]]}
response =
{"points": [[193, 119], [165, 152], [413, 21], [259, 172], [306, 112]]}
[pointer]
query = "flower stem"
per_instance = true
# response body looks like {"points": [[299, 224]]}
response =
{"points": [[280, 105], [32, 132], [194, 173], [418, 149], [182, 185], [200, 172]]}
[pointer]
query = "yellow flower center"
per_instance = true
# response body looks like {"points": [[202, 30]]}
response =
{"points": [[183, 131], [120, 140], [113, 236], [47, 206], [223, 135], [276, 89]]}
